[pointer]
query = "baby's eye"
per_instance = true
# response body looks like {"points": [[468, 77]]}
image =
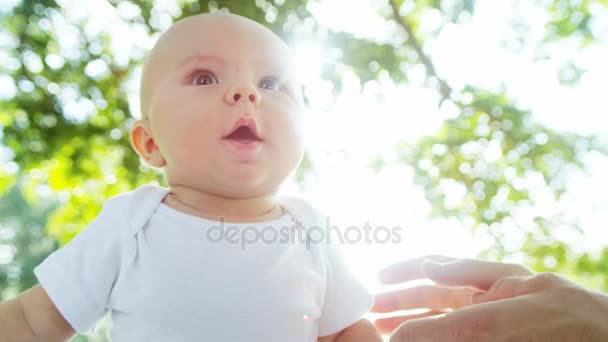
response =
{"points": [[204, 77], [270, 83]]}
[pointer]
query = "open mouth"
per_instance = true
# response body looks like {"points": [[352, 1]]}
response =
{"points": [[244, 134]]}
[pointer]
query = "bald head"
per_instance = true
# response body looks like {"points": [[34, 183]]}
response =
{"points": [[206, 34]]}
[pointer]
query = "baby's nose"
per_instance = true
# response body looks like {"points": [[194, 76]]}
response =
{"points": [[243, 92]]}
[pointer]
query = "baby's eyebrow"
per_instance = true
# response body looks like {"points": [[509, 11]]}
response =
{"points": [[201, 58], [275, 65]]}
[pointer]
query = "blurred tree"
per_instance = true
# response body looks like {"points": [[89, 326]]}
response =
{"points": [[23, 241], [66, 109], [499, 157]]}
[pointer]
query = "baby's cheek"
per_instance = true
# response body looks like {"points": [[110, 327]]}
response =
{"points": [[187, 143], [289, 119], [291, 145], [296, 134]]}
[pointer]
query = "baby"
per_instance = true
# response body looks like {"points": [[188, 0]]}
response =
{"points": [[222, 115]]}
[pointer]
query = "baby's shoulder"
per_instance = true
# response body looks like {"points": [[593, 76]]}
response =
{"points": [[135, 207]]}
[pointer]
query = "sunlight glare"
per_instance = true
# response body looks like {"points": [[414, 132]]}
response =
{"points": [[308, 61]]}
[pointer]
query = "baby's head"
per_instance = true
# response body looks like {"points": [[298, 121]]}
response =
{"points": [[221, 107]]}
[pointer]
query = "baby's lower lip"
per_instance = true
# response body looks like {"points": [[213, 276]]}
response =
{"points": [[244, 144]]}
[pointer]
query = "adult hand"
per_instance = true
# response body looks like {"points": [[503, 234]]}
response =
{"points": [[457, 282], [512, 304]]}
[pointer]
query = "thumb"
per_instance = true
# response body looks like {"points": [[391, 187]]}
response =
{"points": [[471, 272]]}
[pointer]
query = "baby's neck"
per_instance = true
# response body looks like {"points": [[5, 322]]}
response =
{"points": [[213, 207]]}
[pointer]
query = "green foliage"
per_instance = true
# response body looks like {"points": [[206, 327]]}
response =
{"points": [[22, 229], [488, 148], [368, 59], [500, 157], [574, 19]]}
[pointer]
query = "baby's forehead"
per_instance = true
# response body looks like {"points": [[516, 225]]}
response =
{"points": [[223, 39]]}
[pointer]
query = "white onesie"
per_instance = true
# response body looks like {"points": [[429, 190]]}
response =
{"points": [[164, 277]]}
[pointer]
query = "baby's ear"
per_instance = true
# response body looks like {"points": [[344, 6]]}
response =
{"points": [[143, 143]]}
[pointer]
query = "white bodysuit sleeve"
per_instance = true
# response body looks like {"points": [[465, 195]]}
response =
{"points": [[79, 276], [346, 299]]}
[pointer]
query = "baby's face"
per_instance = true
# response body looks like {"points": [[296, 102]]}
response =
{"points": [[221, 108]]}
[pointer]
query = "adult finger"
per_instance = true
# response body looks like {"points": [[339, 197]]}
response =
{"points": [[509, 287], [410, 269], [471, 272], [454, 327], [432, 297], [429, 329], [388, 324], [506, 287], [481, 323]]}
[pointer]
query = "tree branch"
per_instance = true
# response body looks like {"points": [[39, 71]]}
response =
{"points": [[444, 88]]}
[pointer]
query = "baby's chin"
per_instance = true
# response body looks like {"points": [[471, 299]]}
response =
{"points": [[237, 187]]}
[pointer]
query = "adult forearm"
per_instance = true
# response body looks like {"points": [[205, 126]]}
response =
{"points": [[13, 324]]}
